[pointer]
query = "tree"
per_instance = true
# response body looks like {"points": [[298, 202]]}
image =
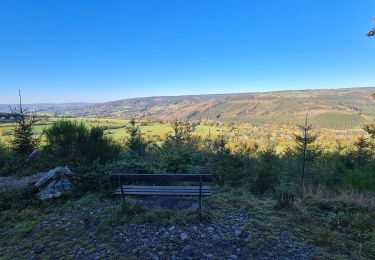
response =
{"points": [[135, 142], [305, 149], [182, 132], [24, 120], [372, 32], [361, 153], [370, 128]]}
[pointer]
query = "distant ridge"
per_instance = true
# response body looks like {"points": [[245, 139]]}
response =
{"points": [[344, 108]]}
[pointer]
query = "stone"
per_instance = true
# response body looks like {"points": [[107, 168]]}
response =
{"points": [[215, 238], [237, 233], [189, 250], [210, 229], [54, 183], [248, 239], [39, 249], [183, 236], [171, 228], [233, 257], [61, 171]]}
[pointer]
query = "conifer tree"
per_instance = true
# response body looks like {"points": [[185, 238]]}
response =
{"points": [[361, 153], [305, 149], [24, 120], [135, 142]]}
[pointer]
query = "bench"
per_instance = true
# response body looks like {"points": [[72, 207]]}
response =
{"points": [[122, 180]]}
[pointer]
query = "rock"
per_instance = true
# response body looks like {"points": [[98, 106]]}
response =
{"points": [[171, 228], [61, 171], [39, 249], [189, 250], [248, 239], [237, 233], [54, 183], [210, 229], [183, 236], [195, 228], [215, 238], [233, 257]]}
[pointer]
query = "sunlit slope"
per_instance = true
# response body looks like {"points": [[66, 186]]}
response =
{"points": [[338, 109]]}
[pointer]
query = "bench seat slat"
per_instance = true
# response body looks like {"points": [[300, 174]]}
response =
{"points": [[129, 187], [163, 193]]}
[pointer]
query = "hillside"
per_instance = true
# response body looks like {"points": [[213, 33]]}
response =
{"points": [[336, 108], [48, 107]]}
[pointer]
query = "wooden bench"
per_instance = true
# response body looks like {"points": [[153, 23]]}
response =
{"points": [[122, 180]]}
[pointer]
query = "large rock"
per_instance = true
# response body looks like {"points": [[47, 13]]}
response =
{"points": [[54, 183]]}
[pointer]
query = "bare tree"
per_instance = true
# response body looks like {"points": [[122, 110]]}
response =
{"points": [[24, 120]]}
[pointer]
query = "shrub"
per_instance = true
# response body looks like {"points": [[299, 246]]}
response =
{"points": [[125, 210], [179, 153], [18, 199], [268, 170], [228, 169], [10, 161], [74, 143], [360, 179], [3, 155]]}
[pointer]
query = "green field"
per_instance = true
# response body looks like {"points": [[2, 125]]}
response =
{"points": [[280, 135]]}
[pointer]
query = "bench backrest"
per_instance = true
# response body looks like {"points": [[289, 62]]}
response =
{"points": [[159, 178]]}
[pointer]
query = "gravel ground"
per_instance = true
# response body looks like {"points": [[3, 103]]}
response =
{"points": [[231, 234]]}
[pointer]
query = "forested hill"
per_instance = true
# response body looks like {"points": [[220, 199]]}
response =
{"points": [[334, 108]]}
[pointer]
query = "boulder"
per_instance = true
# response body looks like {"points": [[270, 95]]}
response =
{"points": [[54, 183]]}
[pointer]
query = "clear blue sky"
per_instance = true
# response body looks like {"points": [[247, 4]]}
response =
{"points": [[70, 50]]}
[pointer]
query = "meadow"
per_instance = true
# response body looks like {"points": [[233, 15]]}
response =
{"points": [[276, 134]]}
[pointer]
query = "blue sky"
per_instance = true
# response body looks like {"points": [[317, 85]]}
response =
{"points": [[92, 51]]}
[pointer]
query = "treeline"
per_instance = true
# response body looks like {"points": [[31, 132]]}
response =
{"points": [[304, 167]]}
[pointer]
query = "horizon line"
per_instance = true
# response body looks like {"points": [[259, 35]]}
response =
{"points": [[191, 95]]}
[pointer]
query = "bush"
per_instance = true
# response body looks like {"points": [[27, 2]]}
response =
{"points": [[267, 170], [177, 158], [4, 154], [229, 169], [360, 179], [18, 199], [10, 161], [75, 144]]}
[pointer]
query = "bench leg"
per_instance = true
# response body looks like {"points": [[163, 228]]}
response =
{"points": [[200, 196]]}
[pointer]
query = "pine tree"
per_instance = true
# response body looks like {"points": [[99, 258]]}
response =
{"points": [[361, 153], [24, 120], [135, 142], [305, 149]]}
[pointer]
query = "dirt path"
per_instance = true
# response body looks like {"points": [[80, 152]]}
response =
{"points": [[11, 183]]}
